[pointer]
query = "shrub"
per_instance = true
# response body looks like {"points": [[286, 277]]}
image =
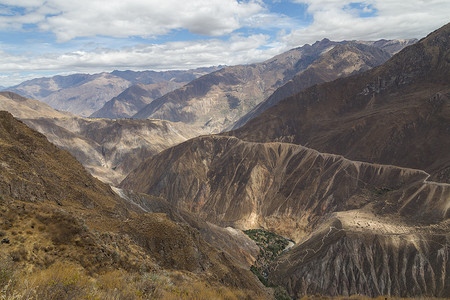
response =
{"points": [[6, 271], [280, 293], [61, 281]]}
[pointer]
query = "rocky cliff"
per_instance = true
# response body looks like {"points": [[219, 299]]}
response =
{"points": [[282, 187], [361, 253]]}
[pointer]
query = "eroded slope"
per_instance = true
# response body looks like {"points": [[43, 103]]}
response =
{"points": [[109, 149], [282, 187]]}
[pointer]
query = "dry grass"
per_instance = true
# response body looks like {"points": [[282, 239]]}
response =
{"points": [[68, 281], [58, 257]]}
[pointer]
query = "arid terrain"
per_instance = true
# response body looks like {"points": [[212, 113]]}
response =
{"points": [[84, 94], [332, 181]]}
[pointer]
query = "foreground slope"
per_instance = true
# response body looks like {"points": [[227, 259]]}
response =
{"points": [[398, 113], [65, 232]]}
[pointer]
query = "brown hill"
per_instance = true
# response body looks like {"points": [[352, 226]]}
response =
{"points": [[282, 187], [110, 149], [341, 61], [66, 234], [28, 108], [134, 98], [398, 113], [235, 242], [293, 190]]}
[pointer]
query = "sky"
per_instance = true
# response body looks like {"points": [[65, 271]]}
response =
{"points": [[41, 38]]}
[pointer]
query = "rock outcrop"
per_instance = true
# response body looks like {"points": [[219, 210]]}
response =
{"points": [[372, 256], [282, 187]]}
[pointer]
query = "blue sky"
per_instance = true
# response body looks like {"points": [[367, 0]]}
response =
{"points": [[48, 37]]}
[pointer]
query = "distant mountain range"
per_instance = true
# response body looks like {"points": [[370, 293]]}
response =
{"points": [[83, 94], [134, 98], [110, 149]]}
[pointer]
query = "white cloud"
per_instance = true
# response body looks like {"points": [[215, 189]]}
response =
{"points": [[98, 31], [173, 55], [392, 19], [146, 18]]}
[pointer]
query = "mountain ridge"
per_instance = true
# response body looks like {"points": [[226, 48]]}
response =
{"points": [[109, 149], [216, 101], [391, 108], [341, 61]]}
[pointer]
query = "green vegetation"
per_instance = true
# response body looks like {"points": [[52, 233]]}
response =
{"points": [[270, 245], [380, 191]]}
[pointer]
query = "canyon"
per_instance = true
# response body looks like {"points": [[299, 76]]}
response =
{"points": [[340, 148]]}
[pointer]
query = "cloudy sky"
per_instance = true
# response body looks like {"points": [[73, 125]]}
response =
{"points": [[47, 37]]}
